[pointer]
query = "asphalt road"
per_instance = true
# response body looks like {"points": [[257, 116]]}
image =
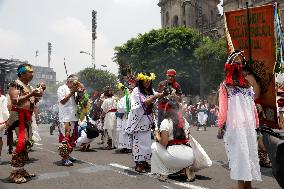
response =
{"points": [[109, 169]]}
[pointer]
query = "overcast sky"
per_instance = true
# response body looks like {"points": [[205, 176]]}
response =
{"points": [[28, 25]]}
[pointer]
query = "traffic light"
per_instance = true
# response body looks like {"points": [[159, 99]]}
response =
{"points": [[94, 24]]}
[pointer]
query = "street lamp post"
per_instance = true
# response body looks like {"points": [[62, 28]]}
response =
{"points": [[84, 52]]}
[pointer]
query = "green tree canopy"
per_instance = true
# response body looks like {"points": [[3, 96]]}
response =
{"points": [[211, 56], [159, 50], [96, 79]]}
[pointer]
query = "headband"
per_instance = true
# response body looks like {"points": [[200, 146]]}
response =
{"points": [[171, 72], [24, 70], [143, 77]]}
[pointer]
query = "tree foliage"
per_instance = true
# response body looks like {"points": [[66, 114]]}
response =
{"points": [[96, 79], [159, 50], [211, 56]]}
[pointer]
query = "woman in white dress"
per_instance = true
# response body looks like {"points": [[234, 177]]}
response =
{"points": [[172, 152], [202, 115], [123, 106], [237, 121], [140, 120]]}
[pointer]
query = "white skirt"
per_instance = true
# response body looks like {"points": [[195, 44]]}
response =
{"points": [[110, 121], [83, 139], [170, 160], [242, 151], [202, 118], [125, 139], [141, 149]]}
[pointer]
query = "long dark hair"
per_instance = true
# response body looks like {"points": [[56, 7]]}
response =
{"points": [[108, 92], [142, 88], [172, 112]]}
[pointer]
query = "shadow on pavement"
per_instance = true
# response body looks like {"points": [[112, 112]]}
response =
{"points": [[32, 160]]}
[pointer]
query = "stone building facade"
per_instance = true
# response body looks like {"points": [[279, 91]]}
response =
{"points": [[200, 14], [8, 70], [236, 4]]}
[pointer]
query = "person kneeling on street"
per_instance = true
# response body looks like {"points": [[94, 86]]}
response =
{"points": [[172, 152]]}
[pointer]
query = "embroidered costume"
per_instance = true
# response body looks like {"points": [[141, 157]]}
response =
{"points": [[139, 125]]}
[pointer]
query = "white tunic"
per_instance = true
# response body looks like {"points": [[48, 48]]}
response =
{"points": [[110, 119], [240, 136], [4, 114], [174, 158], [67, 111], [125, 140]]}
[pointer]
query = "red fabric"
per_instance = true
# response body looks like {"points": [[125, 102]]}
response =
{"points": [[112, 110], [257, 101], [132, 81], [171, 72], [24, 115], [3, 122], [178, 141], [175, 84], [180, 120], [229, 77], [162, 106], [280, 102]]}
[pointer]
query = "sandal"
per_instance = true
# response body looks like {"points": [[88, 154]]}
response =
{"points": [[25, 174], [266, 165], [17, 178], [108, 148], [83, 149], [189, 174], [140, 168], [88, 147], [147, 166]]}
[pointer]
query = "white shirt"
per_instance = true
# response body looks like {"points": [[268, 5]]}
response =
{"points": [[67, 111], [167, 125], [4, 114]]}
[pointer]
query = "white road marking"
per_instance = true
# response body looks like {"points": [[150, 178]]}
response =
{"points": [[120, 166], [124, 173], [47, 150], [186, 185], [38, 144], [46, 176]]}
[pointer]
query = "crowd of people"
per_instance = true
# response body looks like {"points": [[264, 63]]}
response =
{"points": [[152, 125]]}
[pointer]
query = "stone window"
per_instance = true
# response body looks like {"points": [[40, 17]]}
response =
{"points": [[175, 21], [167, 19]]}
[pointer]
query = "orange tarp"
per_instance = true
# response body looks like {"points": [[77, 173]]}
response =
{"points": [[262, 51]]}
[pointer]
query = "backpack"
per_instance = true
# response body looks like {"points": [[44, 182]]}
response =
{"points": [[91, 129]]}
